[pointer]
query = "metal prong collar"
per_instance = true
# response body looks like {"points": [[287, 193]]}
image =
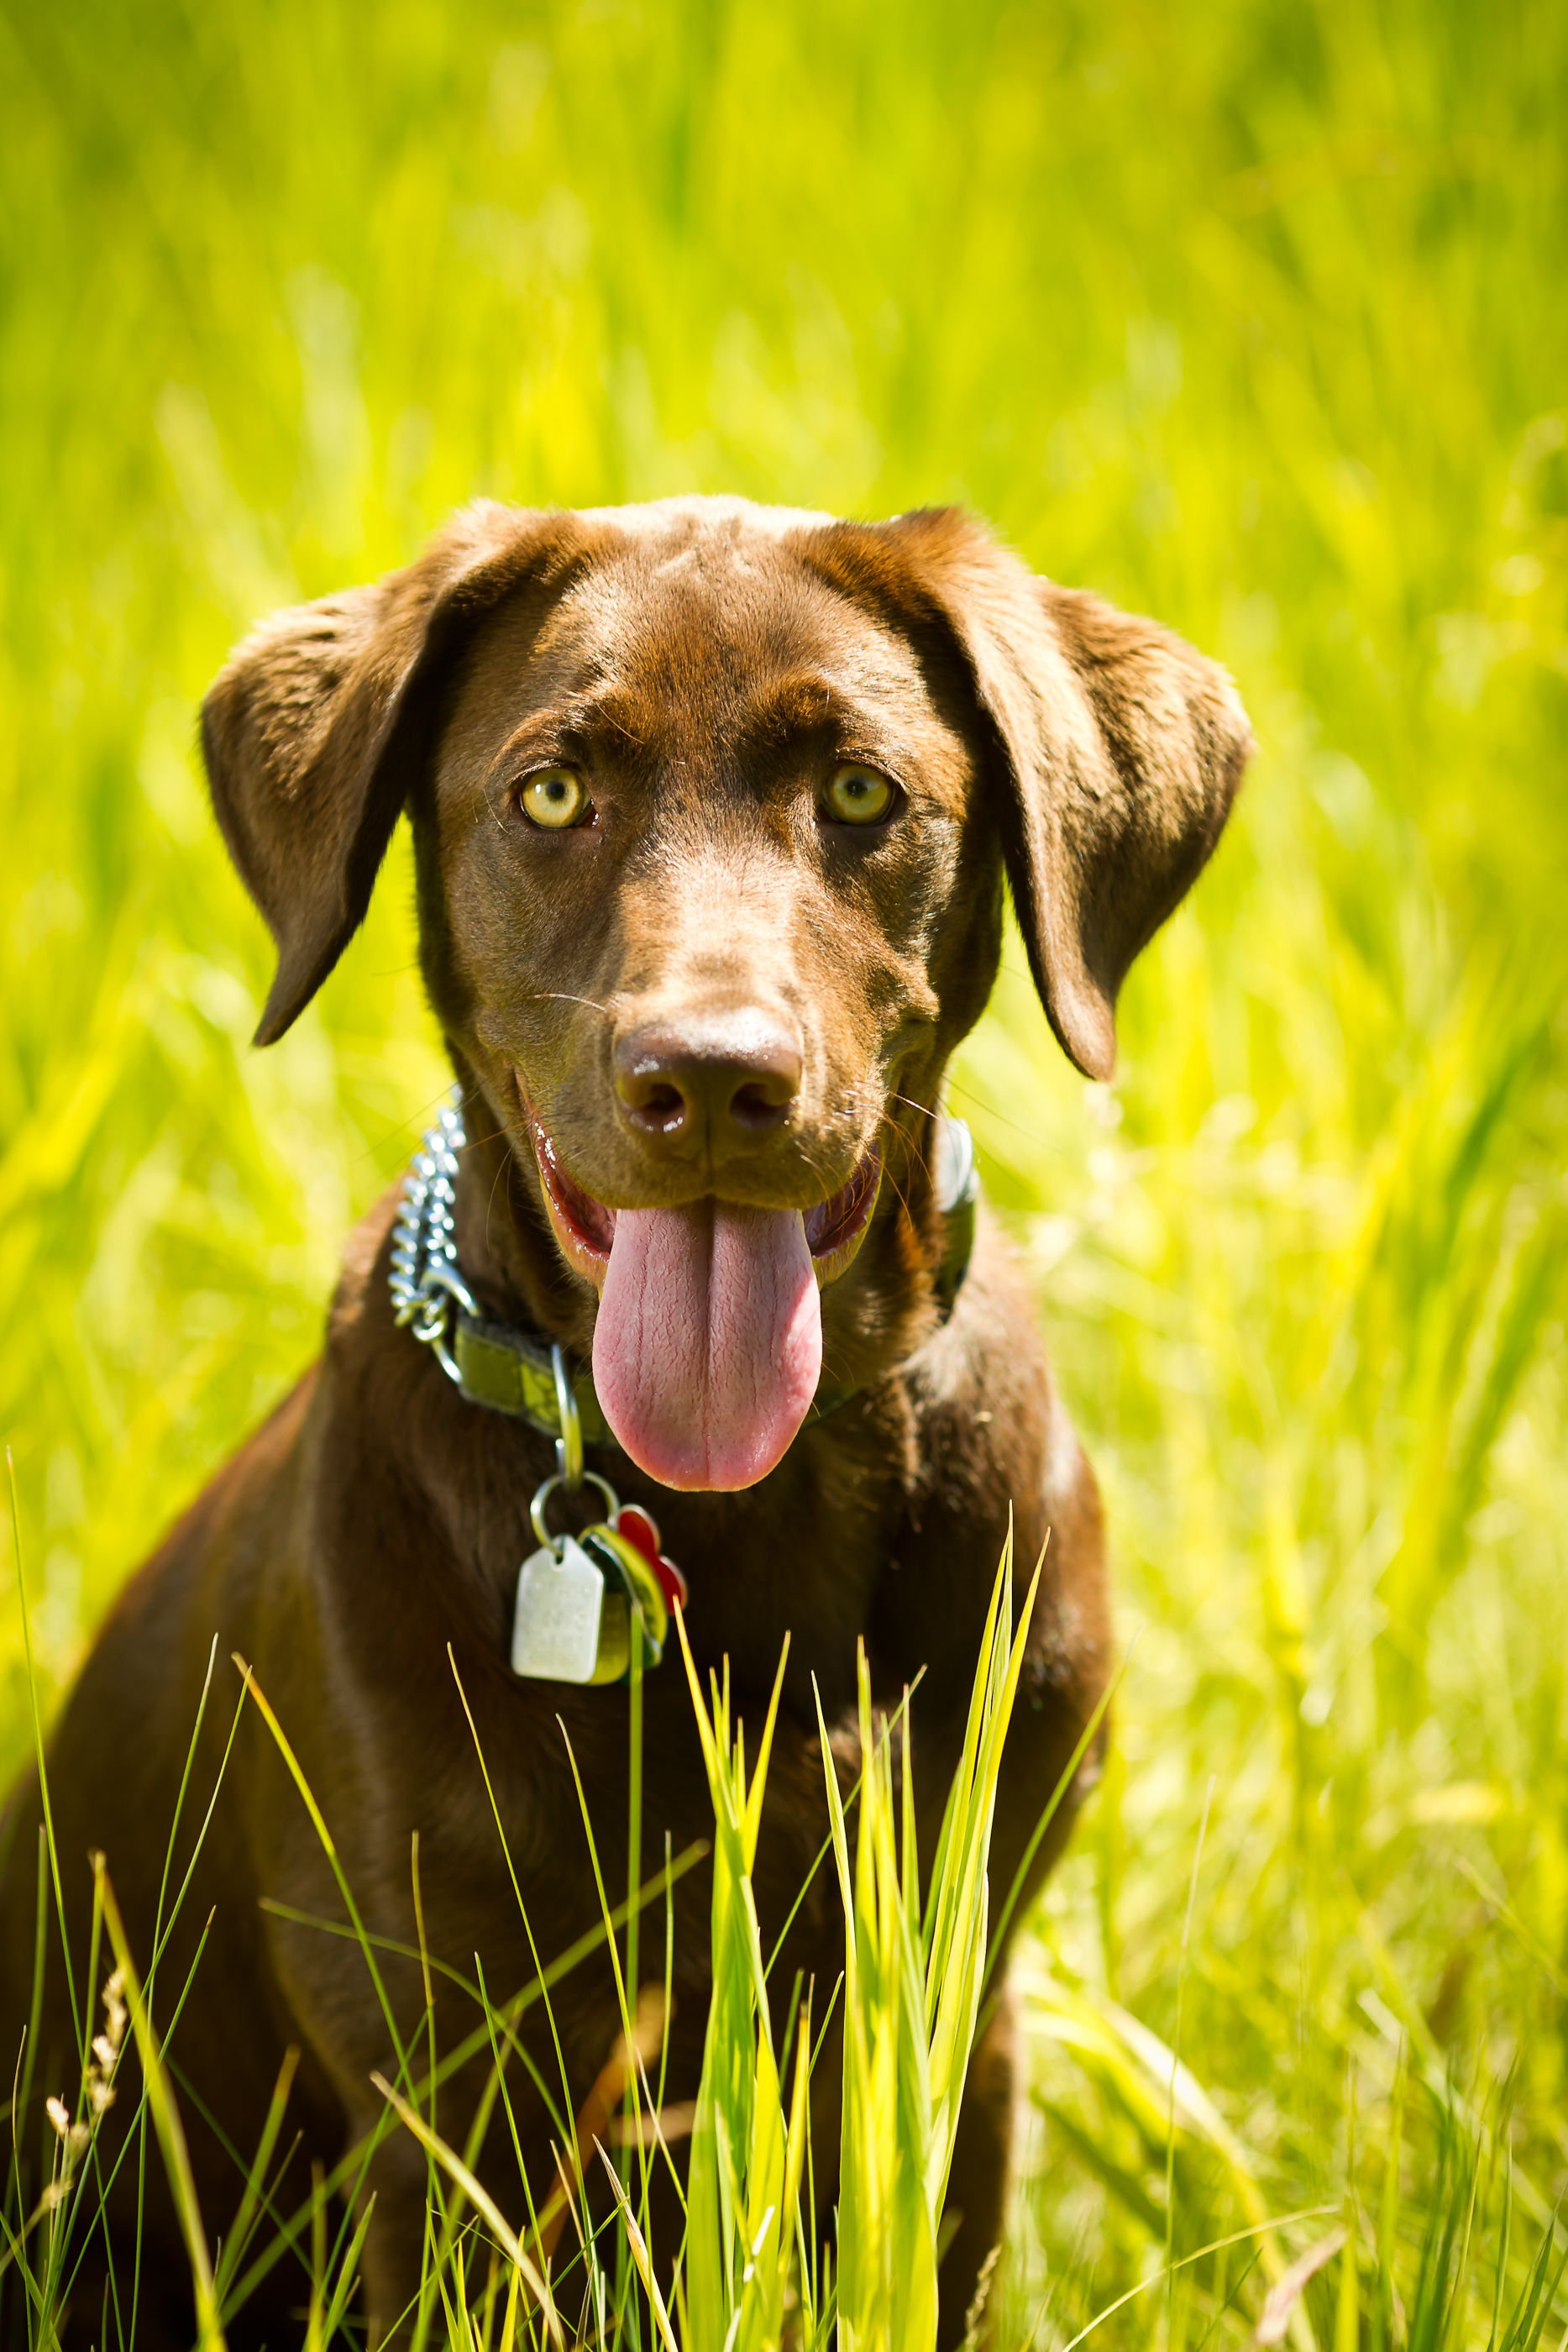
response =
{"points": [[427, 1287]]}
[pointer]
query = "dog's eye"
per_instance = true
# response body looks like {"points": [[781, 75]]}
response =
{"points": [[857, 796], [555, 798]]}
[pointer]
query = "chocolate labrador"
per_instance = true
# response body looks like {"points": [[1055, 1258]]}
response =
{"points": [[712, 809]]}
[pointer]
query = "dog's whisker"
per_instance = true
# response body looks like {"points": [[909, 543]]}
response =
{"points": [[565, 996], [898, 1193], [1029, 1134], [915, 1150], [496, 1182], [926, 1110]]}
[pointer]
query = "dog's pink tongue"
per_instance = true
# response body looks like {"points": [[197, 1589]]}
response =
{"points": [[709, 1340]]}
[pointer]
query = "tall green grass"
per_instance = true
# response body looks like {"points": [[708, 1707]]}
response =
{"points": [[1248, 315], [755, 2262]]}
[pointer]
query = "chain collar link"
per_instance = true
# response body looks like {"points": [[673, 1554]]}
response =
{"points": [[427, 1287]]}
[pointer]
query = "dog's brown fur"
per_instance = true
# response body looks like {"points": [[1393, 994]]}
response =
{"points": [[707, 662]]}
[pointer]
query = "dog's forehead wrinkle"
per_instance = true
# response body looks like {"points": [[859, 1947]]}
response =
{"points": [[686, 618], [693, 558]]}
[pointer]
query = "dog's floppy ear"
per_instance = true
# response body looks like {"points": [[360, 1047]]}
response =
{"points": [[1122, 749], [314, 731]]}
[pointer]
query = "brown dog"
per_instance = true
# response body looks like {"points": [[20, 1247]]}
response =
{"points": [[712, 806]]}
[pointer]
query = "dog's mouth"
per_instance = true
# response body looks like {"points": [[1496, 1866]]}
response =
{"points": [[585, 1228], [707, 1346]]}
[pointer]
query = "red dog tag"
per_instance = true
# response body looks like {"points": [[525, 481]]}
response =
{"points": [[639, 1528]]}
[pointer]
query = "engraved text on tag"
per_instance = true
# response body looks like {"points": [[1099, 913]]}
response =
{"points": [[555, 1633]]}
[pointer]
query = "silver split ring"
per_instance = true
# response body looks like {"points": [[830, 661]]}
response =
{"points": [[537, 1508]]}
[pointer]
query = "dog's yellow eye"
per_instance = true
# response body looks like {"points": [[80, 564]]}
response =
{"points": [[555, 799], [857, 796]]}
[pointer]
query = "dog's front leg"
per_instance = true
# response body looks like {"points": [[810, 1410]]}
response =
{"points": [[978, 2182]]}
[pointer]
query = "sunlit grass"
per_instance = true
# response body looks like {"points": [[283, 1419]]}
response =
{"points": [[756, 2263], [1250, 316]]}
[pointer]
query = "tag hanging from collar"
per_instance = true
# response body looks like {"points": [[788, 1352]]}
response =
{"points": [[577, 1594]]}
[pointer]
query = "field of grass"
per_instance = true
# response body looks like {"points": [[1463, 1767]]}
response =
{"points": [[1250, 315]]}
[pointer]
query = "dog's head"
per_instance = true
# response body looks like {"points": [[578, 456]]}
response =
{"points": [[712, 804]]}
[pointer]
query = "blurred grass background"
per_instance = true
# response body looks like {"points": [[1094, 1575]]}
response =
{"points": [[1248, 314]]}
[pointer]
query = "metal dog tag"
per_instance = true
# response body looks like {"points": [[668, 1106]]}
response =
{"points": [[554, 1632]]}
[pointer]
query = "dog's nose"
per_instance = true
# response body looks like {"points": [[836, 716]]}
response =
{"points": [[723, 1087]]}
